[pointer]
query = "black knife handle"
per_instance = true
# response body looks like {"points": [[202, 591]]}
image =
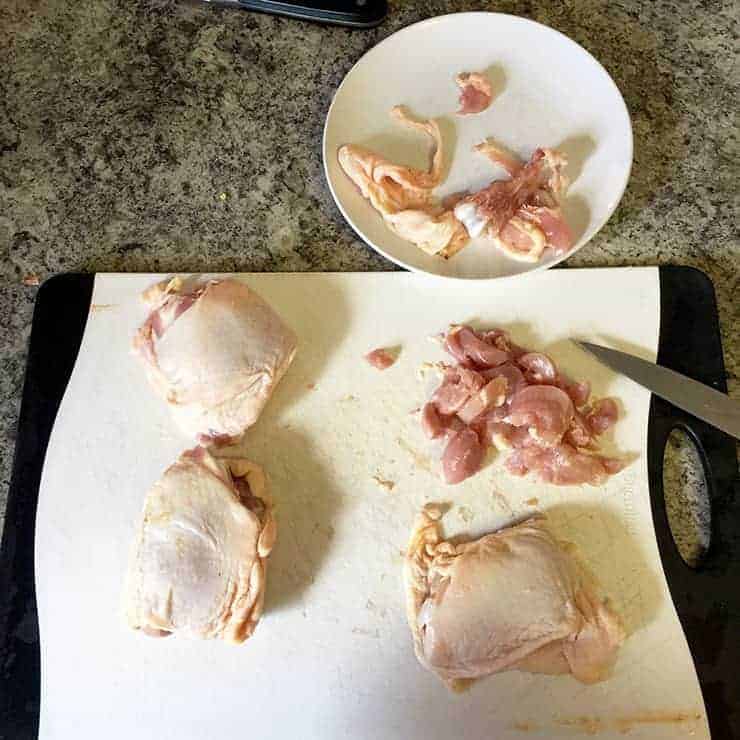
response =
{"points": [[354, 13]]}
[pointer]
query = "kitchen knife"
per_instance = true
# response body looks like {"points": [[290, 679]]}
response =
{"points": [[353, 13], [696, 398]]}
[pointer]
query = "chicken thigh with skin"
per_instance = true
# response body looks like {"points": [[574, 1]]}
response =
{"points": [[514, 599], [198, 564], [215, 351]]}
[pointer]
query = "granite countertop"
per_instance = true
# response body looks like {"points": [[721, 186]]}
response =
{"points": [[159, 136]]}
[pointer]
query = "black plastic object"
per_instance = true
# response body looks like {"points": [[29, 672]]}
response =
{"points": [[707, 598], [353, 13], [59, 319]]}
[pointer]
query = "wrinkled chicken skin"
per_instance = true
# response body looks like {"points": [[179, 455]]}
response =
{"points": [[403, 195], [499, 156], [215, 351], [476, 93], [522, 214], [197, 568], [502, 395], [512, 600]]}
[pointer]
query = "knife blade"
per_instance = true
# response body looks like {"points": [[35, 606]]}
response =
{"points": [[690, 395]]}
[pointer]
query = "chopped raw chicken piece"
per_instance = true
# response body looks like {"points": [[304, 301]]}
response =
{"points": [[579, 392], [516, 599], [492, 395], [538, 368], [197, 568], [504, 436], [215, 351], [515, 400], [501, 339], [545, 410], [458, 384], [513, 375], [476, 92], [472, 351], [431, 422], [380, 358], [562, 465], [604, 415], [462, 456], [579, 434], [403, 195]]}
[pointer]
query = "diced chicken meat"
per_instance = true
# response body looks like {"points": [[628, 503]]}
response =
{"points": [[215, 351], [462, 456], [578, 391], [545, 410], [197, 567], [538, 368], [492, 395], [603, 415], [516, 599], [516, 401], [470, 350], [476, 92], [562, 464], [380, 358], [458, 385]]}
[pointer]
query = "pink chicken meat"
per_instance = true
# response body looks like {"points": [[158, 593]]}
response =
{"points": [[215, 351], [476, 92], [380, 358], [500, 394], [522, 214]]}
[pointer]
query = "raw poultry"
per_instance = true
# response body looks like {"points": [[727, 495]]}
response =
{"points": [[503, 395], [198, 565], [515, 599], [215, 351]]}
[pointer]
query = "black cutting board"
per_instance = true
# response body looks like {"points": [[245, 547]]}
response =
{"points": [[707, 598]]}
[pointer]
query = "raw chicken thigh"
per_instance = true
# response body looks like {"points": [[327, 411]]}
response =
{"points": [[215, 351], [198, 565], [514, 599]]}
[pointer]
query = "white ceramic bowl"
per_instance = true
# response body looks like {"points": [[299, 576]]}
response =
{"points": [[549, 91]]}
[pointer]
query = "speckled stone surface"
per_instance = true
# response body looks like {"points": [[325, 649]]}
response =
{"points": [[159, 136]]}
